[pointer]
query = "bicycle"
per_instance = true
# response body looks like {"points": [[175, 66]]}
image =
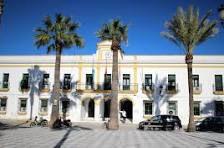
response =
{"points": [[42, 122]]}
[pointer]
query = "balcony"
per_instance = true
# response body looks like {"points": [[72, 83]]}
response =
{"points": [[105, 88], [93, 88], [218, 90], [24, 86], [147, 89], [66, 86], [197, 89], [131, 88], [44, 87], [4, 86], [172, 89]]}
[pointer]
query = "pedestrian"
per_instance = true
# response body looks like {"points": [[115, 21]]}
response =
{"points": [[124, 115]]}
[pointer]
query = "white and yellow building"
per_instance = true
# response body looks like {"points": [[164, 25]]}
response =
{"points": [[148, 85]]}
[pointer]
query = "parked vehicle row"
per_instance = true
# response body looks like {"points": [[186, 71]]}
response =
{"points": [[172, 122], [161, 122], [215, 124]]}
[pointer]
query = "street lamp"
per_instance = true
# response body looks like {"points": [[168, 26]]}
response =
{"points": [[221, 14]]}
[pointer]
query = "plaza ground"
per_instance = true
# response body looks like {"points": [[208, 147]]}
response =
{"points": [[94, 135]]}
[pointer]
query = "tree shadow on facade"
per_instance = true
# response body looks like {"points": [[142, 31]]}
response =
{"points": [[66, 100], [35, 78], [66, 135], [159, 94]]}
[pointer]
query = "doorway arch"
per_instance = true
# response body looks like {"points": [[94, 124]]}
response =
{"points": [[127, 106], [91, 108]]}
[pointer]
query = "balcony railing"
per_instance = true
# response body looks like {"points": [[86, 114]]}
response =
{"points": [[146, 88], [218, 90], [197, 89], [4, 86], [172, 89], [66, 86], [44, 87], [105, 88], [131, 88]]}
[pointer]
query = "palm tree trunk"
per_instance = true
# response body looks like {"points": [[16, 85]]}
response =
{"points": [[56, 89], [191, 126], [114, 123]]}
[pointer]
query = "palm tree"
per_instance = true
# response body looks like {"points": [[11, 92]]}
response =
{"points": [[187, 30], [1, 8], [116, 32], [57, 35]]}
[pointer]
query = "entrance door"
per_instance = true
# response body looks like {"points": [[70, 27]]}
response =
{"points": [[219, 108], [91, 108], [107, 109], [126, 105]]}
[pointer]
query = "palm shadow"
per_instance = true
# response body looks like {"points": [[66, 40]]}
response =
{"points": [[66, 135], [35, 78], [8, 126], [159, 94]]}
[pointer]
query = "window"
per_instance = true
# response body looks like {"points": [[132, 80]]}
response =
{"points": [[25, 81], [148, 81], [172, 108], [67, 81], [197, 108], [147, 108], [3, 102], [195, 80], [126, 81], [89, 81], [107, 82], [23, 105], [218, 83], [171, 82], [45, 83], [5, 81], [43, 105], [64, 106]]}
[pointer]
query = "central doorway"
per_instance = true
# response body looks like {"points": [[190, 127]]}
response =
{"points": [[126, 105], [91, 108]]}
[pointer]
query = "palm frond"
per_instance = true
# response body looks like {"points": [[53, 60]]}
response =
{"points": [[114, 30], [58, 34], [187, 30]]}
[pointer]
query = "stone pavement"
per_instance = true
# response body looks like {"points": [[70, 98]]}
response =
{"points": [[93, 135]]}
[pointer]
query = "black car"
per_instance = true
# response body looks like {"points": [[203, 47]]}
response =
{"points": [[163, 122], [210, 124]]}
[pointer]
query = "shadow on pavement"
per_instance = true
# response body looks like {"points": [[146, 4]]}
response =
{"points": [[219, 143], [8, 126], [65, 137]]}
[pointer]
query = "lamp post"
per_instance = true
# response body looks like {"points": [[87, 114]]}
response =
{"points": [[221, 14], [1, 8]]}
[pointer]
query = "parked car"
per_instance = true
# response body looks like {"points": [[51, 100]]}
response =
{"points": [[161, 122], [210, 124]]}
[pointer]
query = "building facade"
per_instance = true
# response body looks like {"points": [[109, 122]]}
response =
{"points": [[148, 85]]}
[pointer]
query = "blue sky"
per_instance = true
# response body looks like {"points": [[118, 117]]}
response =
{"points": [[146, 20]]}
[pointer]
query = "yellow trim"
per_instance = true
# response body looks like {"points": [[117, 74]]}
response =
{"points": [[123, 65], [2, 112], [21, 113], [43, 113], [4, 89], [80, 75], [97, 102], [218, 92], [147, 116]]}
